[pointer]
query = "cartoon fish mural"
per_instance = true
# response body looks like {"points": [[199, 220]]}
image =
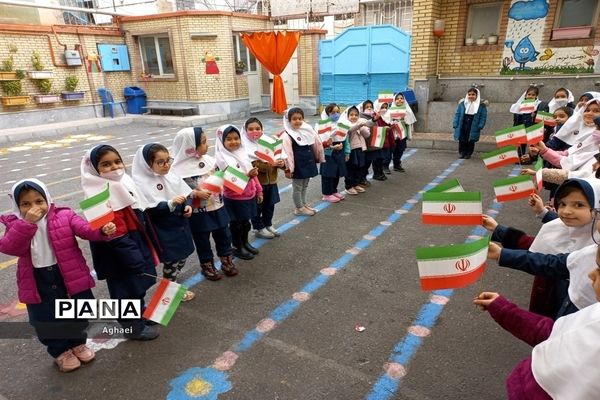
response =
{"points": [[523, 52]]}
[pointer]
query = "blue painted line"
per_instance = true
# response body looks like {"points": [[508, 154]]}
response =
{"points": [[342, 261], [284, 310], [251, 337], [385, 387], [315, 284]]}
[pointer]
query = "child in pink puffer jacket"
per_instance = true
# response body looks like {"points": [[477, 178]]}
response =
{"points": [[50, 266]]}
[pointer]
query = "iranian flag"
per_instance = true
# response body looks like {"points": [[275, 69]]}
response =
{"points": [[214, 183], [386, 97], [538, 174], [324, 129], [378, 136], [235, 179], [527, 106], [452, 267], [446, 208], [535, 133], [164, 302], [269, 149], [397, 112], [503, 156], [401, 130], [341, 131], [448, 186], [512, 135], [545, 117], [96, 209], [514, 188]]}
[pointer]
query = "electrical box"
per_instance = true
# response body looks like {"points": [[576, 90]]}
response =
{"points": [[72, 57], [114, 57]]}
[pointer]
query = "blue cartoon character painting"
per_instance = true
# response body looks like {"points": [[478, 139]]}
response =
{"points": [[523, 53]]}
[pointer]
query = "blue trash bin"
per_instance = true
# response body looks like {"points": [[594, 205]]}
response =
{"points": [[411, 99], [136, 99]]}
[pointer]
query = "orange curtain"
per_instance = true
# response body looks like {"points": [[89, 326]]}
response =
{"points": [[273, 50]]}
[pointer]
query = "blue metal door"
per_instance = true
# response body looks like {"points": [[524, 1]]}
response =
{"points": [[363, 61]]}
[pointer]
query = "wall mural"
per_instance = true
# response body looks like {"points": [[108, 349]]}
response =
{"points": [[523, 52]]}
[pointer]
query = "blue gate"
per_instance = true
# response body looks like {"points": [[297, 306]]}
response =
{"points": [[363, 61]]}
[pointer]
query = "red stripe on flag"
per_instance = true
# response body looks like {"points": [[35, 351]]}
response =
{"points": [[514, 141], [506, 161], [536, 139], [233, 187], [455, 219], [103, 220], [211, 188], [452, 281], [162, 287], [515, 196], [264, 157], [547, 122]]}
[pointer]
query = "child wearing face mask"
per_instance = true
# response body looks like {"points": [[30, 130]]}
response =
{"points": [[166, 195], [469, 120], [128, 261], [331, 111], [262, 222], [241, 207], [50, 266]]}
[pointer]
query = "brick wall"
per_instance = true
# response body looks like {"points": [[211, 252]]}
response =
{"points": [[308, 62], [423, 50]]}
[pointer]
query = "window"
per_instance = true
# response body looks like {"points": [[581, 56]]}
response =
{"points": [[241, 53], [156, 55], [483, 20], [397, 13], [574, 13]]}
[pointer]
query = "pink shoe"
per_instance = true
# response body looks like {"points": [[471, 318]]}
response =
{"points": [[339, 195], [67, 361], [331, 198], [84, 353], [359, 189]]}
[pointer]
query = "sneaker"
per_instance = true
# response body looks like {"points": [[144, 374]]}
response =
{"points": [[187, 296], [83, 353], [264, 233], [304, 211], [399, 169], [274, 231], [147, 333], [351, 191], [67, 361], [380, 177], [339, 195], [359, 189], [331, 198], [386, 170]]}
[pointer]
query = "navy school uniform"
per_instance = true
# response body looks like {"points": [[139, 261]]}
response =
{"points": [[173, 231], [305, 164]]}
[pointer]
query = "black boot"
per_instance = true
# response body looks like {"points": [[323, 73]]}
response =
{"points": [[239, 250], [246, 227]]}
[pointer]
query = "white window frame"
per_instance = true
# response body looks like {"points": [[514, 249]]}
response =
{"points": [[161, 74], [237, 43], [469, 32]]}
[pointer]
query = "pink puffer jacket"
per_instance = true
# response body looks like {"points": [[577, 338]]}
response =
{"points": [[63, 226]]}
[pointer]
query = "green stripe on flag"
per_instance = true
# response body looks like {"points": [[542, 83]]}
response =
{"points": [[173, 307], [452, 197], [499, 151], [512, 180], [237, 172], [446, 185], [539, 164], [534, 127], [324, 121], [267, 144], [509, 130], [95, 199], [544, 115], [342, 126], [452, 251]]}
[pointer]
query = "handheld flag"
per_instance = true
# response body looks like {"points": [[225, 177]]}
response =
{"points": [[97, 210], [269, 149], [377, 136], [324, 129], [535, 133], [386, 97], [165, 301], [545, 117], [527, 106], [452, 208], [512, 135], [538, 174], [341, 131], [213, 183], [452, 267], [401, 130], [448, 186], [503, 156], [515, 188], [397, 112], [235, 179]]}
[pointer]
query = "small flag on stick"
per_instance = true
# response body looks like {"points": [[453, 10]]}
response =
{"points": [[538, 174], [535, 133], [401, 130], [324, 129], [452, 267], [447, 208], [503, 156], [341, 131], [545, 117], [214, 183], [269, 149], [378, 136], [448, 186], [514, 188], [97, 210], [164, 302], [235, 179], [527, 106], [397, 112], [386, 97], [512, 135]]}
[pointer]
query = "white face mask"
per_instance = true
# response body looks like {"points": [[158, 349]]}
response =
{"points": [[561, 102], [115, 175]]}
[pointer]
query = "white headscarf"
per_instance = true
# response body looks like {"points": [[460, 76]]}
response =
{"points": [[344, 117], [516, 107], [409, 118], [249, 144], [574, 130], [555, 237], [42, 254], [238, 158], [580, 263], [123, 192], [471, 108], [303, 136], [553, 105], [154, 187], [566, 364], [187, 162]]}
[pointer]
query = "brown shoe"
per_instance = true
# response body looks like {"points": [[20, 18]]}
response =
{"points": [[83, 353], [67, 361], [210, 272], [228, 267]]}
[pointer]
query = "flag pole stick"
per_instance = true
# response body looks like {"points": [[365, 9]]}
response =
{"points": [[150, 275]]}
